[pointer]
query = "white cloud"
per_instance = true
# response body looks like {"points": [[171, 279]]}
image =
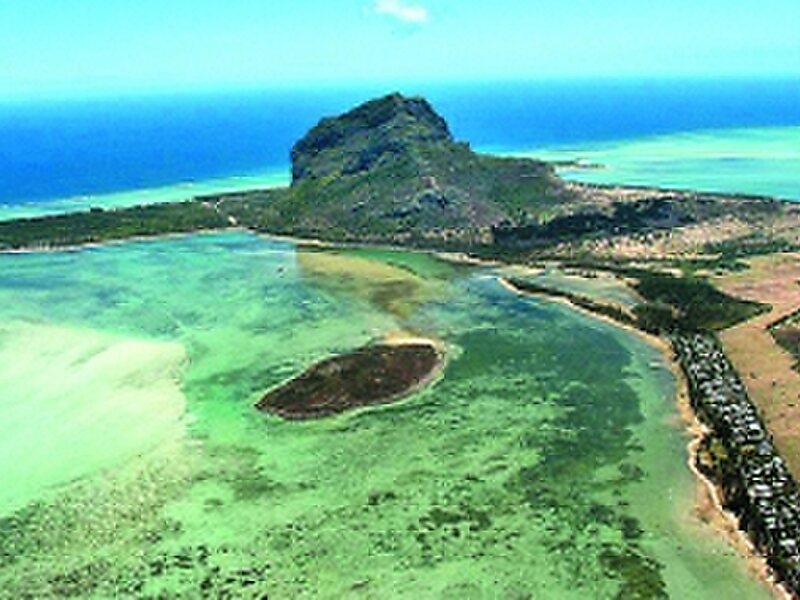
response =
{"points": [[398, 9]]}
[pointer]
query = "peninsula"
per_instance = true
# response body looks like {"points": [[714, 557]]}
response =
{"points": [[390, 172]]}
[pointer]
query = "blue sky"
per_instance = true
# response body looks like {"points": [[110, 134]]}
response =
{"points": [[72, 45]]}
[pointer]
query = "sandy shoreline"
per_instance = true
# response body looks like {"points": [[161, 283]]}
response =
{"points": [[708, 505], [403, 338]]}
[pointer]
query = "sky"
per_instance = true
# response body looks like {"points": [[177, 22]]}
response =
{"points": [[55, 46]]}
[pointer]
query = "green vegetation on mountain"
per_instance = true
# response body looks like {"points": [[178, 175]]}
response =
{"points": [[391, 171]]}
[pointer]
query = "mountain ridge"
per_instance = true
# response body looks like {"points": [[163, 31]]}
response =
{"points": [[390, 170], [382, 125]]}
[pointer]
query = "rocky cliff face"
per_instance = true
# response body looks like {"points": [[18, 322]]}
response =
{"points": [[360, 139], [389, 171]]}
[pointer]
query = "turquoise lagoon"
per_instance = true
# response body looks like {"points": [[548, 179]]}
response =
{"points": [[549, 461], [758, 161]]}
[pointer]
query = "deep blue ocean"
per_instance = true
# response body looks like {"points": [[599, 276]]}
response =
{"points": [[64, 148]]}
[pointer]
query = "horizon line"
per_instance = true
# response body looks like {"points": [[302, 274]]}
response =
{"points": [[327, 85]]}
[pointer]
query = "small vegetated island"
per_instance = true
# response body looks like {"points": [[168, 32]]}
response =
{"points": [[375, 374], [390, 172]]}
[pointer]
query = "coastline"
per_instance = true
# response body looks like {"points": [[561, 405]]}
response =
{"points": [[119, 242], [179, 191], [454, 256], [708, 506]]}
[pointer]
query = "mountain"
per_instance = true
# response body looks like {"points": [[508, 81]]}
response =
{"points": [[358, 140], [390, 170]]}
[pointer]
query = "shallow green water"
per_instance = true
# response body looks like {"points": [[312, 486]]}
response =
{"points": [[742, 161], [600, 287], [548, 462]]}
